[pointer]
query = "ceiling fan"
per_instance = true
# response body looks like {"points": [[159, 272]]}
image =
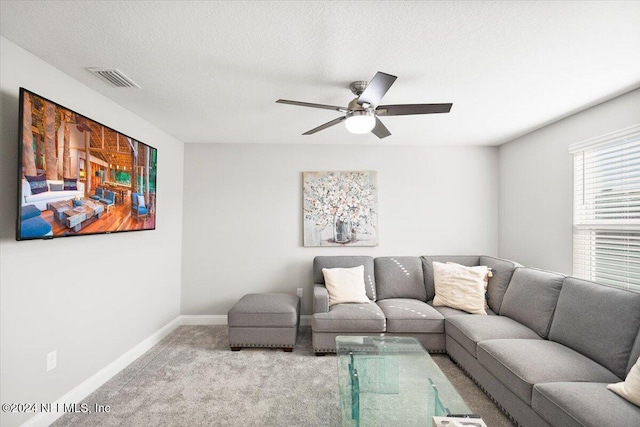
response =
{"points": [[361, 115]]}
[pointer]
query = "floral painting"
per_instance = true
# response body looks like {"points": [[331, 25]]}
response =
{"points": [[340, 208]]}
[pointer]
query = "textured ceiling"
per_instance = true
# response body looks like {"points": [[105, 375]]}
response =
{"points": [[211, 71]]}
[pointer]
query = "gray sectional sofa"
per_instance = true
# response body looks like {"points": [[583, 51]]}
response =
{"points": [[545, 352]]}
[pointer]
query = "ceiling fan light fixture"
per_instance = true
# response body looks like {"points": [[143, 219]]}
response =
{"points": [[360, 122]]}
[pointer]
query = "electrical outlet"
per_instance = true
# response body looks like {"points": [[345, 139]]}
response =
{"points": [[52, 360], [300, 290]]}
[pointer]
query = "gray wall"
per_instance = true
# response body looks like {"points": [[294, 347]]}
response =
{"points": [[242, 229], [91, 298], [536, 181]]}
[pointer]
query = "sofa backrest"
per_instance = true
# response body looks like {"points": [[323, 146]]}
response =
{"points": [[635, 353], [598, 321], [399, 277], [427, 268], [26, 188], [321, 262], [502, 271], [531, 298]]}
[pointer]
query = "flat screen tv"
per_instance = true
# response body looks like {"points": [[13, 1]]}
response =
{"points": [[78, 176]]}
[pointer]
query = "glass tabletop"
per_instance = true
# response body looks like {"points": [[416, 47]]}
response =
{"points": [[392, 381]]}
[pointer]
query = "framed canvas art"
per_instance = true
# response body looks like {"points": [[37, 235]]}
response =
{"points": [[340, 208]]}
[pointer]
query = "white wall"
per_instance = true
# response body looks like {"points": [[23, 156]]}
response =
{"points": [[242, 227], [91, 298], [536, 181]]}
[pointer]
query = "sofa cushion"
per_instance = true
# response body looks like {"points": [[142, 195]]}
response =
{"points": [[598, 321], [350, 318], [38, 184], [35, 227], [501, 270], [532, 297], [399, 277], [469, 330], [29, 211], [582, 404], [427, 268], [345, 285], [521, 363], [141, 210], [321, 262], [51, 196], [460, 287], [449, 312], [411, 316]]}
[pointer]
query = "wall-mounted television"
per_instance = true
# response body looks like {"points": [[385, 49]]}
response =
{"points": [[78, 176]]}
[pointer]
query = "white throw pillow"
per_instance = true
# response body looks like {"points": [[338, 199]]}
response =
{"points": [[345, 285], [461, 287], [630, 387], [486, 279], [141, 200]]}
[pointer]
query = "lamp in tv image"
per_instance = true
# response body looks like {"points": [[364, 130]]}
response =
{"points": [[78, 176]]}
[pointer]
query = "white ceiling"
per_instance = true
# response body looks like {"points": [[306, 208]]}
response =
{"points": [[210, 72]]}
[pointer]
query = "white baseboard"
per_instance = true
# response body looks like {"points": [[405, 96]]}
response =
{"points": [[205, 319], [220, 319], [102, 376], [105, 374]]}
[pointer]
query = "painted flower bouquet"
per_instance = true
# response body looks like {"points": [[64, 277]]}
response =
{"points": [[345, 200]]}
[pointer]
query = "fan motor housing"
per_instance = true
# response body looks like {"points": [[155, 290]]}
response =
{"points": [[358, 87], [354, 106]]}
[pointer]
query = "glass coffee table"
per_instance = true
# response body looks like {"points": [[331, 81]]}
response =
{"points": [[392, 381]]}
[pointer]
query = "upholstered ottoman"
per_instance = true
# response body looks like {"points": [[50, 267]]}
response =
{"points": [[264, 320]]}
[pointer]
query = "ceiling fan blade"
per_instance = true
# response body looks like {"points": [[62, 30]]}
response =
{"points": [[407, 109], [376, 89], [309, 104], [326, 125], [380, 130]]}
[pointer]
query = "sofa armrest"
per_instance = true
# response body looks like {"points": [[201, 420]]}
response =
{"points": [[26, 189], [320, 299]]}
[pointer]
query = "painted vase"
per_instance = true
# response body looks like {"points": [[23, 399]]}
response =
{"points": [[341, 230]]}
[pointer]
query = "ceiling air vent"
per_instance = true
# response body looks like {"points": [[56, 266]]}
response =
{"points": [[114, 77]]}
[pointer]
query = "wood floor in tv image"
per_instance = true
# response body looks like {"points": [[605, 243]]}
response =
{"points": [[119, 217]]}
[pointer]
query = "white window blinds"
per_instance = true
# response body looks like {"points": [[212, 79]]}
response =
{"points": [[606, 209]]}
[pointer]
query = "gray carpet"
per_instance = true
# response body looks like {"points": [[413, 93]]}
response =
{"points": [[191, 378]]}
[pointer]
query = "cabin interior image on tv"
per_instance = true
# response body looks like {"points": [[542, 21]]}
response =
{"points": [[79, 176]]}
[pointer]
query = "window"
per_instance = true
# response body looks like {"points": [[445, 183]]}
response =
{"points": [[606, 209]]}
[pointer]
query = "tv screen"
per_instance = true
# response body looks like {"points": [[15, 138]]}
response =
{"points": [[78, 176]]}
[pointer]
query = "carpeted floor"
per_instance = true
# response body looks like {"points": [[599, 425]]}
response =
{"points": [[191, 378]]}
